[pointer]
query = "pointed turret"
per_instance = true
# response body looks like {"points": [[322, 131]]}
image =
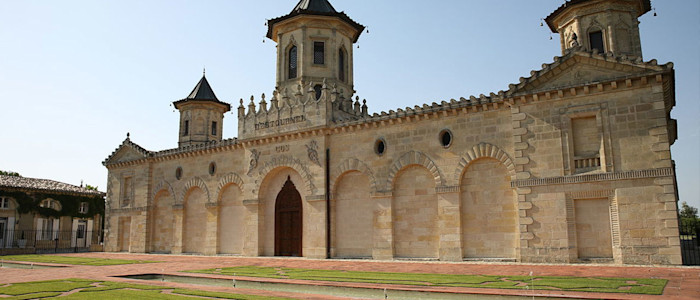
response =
{"points": [[202, 91], [201, 115]]}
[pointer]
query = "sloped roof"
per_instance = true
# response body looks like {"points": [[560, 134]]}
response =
{"points": [[322, 6], [316, 8], [128, 144], [45, 185], [646, 6], [202, 92]]}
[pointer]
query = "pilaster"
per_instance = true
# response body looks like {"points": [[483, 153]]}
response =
{"points": [[211, 233], [449, 223], [251, 246], [178, 214], [383, 239]]}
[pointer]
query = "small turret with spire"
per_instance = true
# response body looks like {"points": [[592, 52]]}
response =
{"points": [[201, 115]]}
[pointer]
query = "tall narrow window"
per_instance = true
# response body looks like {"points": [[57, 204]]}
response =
{"points": [[341, 65], [4, 203], [319, 53], [596, 39], [318, 89], [213, 128], [292, 62], [186, 130]]}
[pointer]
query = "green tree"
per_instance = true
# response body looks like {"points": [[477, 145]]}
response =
{"points": [[688, 214], [89, 187], [9, 173]]}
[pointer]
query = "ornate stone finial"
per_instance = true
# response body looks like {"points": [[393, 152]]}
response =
{"points": [[251, 105], [127, 135], [241, 103], [263, 103], [204, 71]]}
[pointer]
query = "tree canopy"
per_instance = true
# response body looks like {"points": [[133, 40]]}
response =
{"points": [[9, 173]]}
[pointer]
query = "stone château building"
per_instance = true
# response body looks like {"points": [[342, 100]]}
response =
{"points": [[571, 164]]}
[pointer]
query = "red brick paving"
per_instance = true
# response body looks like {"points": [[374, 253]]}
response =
{"points": [[684, 282]]}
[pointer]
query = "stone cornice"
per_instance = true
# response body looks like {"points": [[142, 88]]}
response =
{"points": [[587, 178], [126, 210]]}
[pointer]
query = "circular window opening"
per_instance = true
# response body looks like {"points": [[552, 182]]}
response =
{"points": [[212, 168], [380, 146], [178, 173], [446, 138]]}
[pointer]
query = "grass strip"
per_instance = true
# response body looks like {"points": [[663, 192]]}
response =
{"points": [[30, 288], [563, 283], [69, 260], [220, 295], [110, 290]]}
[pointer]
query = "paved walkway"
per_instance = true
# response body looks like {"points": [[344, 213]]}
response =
{"points": [[684, 282]]}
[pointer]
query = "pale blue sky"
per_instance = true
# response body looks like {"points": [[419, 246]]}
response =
{"points": [[76, 75]]}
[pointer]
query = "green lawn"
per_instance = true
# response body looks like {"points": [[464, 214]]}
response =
{"points": [[581, 284], [68, 260], [92, 289]]}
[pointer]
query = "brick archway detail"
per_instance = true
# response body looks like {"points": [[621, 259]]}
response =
{"points": [[414, 158], [483, 150]]}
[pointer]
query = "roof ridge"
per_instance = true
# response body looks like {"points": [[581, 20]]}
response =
{"points": [[44, 185]]}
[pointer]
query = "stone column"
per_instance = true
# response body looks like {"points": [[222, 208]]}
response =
{"points": [[449, 222], [383, 239], [178, 211], [211, 233]]}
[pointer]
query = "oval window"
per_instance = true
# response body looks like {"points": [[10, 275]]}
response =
{"points": [[380, 147], [212, 168], [178, 173], [445, 138]]}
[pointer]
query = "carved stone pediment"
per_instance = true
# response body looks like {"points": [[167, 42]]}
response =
{"points": [[580, 68]]}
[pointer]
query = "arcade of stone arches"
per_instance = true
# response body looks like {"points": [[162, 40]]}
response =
{"points": [[414, 219]]}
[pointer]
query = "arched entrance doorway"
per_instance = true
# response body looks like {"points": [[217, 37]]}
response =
{"points": [[288, 221]]}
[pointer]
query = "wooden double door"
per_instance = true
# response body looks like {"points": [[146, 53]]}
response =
{"points": [[288, 221]]}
